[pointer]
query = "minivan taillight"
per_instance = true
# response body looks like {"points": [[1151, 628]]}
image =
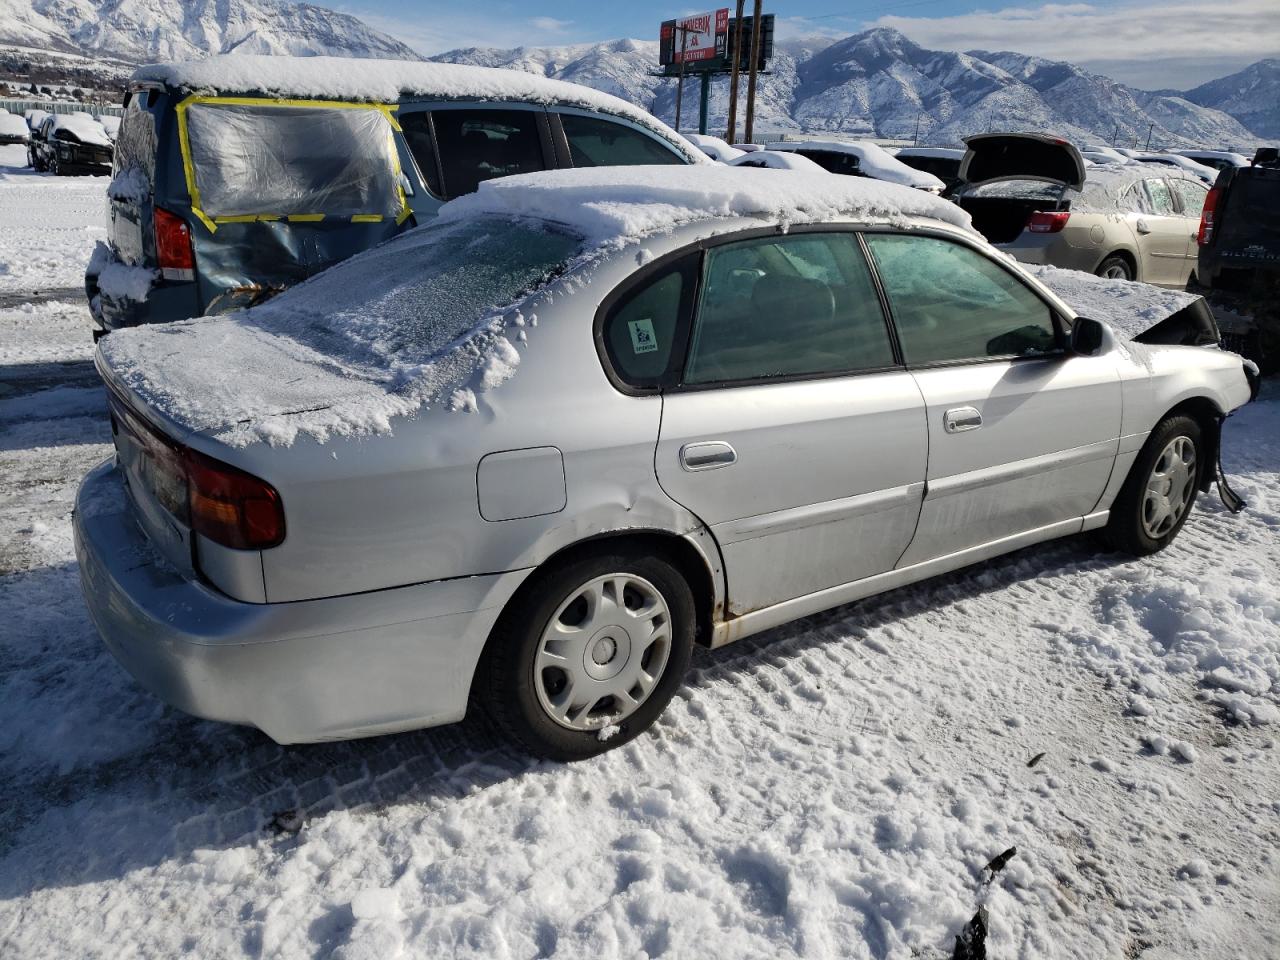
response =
{"points": [[173, 246], [232, 507], [1205, 233], [1042, 222]]}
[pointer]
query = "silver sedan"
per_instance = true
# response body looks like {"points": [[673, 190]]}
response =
{"points": [[695, 432]]}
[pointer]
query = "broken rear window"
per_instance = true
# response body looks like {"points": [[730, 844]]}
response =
{"points": [[250, 160]]}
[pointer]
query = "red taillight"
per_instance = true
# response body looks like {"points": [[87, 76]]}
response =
{"points": [[1041, 222], [173, 246], [232, 507], [1205, 233]]}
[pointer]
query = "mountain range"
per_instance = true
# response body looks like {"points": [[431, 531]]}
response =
{"points": [[877, 83]]}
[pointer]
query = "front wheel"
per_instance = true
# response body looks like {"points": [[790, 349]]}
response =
{"points": [[589, 655], [1156, 498]]}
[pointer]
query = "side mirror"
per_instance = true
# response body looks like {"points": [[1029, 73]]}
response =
{"points": [[1086, 337]]}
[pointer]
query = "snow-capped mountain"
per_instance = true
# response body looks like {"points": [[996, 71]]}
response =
{"points": [[1252, 96], [879, 83], [149, 30]]}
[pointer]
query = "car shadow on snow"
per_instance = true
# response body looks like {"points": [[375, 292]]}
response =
{"points": [[105, 779]]}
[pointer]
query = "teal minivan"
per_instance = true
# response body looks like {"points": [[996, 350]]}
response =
{"points": [[238, 176]]}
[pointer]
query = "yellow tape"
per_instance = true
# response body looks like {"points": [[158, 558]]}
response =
{"points": [[189, 172]]}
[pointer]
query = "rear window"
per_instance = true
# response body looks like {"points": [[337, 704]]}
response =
{"points": [[262, 160], [408, 300]]}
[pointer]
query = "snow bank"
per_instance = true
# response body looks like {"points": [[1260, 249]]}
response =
{"points": [[873, 160], [387, 81], [1127, 306], [613, 205]]}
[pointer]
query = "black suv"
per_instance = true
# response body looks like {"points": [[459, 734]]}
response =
{"points": [[70, 143], [1239, 242]]}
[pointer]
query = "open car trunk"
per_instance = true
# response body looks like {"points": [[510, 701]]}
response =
{"points": [[1002, 219], [1006, 177]]}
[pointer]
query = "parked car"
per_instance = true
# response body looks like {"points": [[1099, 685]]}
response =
{"points": [[1218, 159], [1031, 196], [714, 147], [1205, 174], [1239, 247], [239, 176], [1104, 159], [861, 159], [1099, 153], [34, 117], [942, 162], [70, 144], [13, 129], [535, 450]]}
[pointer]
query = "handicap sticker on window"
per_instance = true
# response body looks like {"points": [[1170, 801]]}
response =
{"points": [[643, 339]]}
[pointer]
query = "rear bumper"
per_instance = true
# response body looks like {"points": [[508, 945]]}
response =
{"points": [[1051, 249], [312, 670]]}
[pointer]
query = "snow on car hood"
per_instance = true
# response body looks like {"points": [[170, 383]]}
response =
{"points": [[418, 321], [1128, 307]]}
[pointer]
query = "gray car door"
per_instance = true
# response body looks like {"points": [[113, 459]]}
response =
{"points": [[1162, 237], [1022, 436], [793, 432]]}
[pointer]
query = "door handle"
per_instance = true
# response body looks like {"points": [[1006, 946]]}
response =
{"points": [[707, 455], [962, 419]]}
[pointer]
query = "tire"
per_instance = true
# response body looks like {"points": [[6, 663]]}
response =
{"points": [[1142, 521], [554, 689], [1115, 267]]}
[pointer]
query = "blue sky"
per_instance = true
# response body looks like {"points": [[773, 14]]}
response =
{"points": [[1149, 43]]}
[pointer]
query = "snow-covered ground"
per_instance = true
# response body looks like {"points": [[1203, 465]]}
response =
{"points": [[831, 789]]}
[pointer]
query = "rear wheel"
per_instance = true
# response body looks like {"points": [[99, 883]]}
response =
{"points": [[1115, 267], [589, 655], [1156, 498]]}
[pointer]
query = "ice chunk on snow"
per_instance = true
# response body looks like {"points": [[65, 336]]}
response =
{"points": [[378, 902]]}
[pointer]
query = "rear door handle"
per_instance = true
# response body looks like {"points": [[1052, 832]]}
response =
{"points": [[962, 419], [707, 455]]}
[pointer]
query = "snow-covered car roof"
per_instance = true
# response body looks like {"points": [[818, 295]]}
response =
{"points": [[777, 160], [948, 153], [609, 206], [12, 126], [388, 81], [1104, 186], [85, 128], [713, 147], [873, 160]]}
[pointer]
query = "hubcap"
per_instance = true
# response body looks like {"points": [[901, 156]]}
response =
{"points": [[1116, 271], [1170, 488], [602, 652]]}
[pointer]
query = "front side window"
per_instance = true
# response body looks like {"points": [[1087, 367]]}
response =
{"points": [[797, 305], [1192, 195], [594, 142], [478, 145], [950, 303]]}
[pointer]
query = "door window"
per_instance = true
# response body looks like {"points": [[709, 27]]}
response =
{"points": [[787, 306], [478, 145], [951, 303], [1192, 195], [1161, 198], [834, 161], [594, 142]]}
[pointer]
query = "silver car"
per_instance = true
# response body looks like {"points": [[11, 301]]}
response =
{"points": [[1031, 195], [535, 451]]}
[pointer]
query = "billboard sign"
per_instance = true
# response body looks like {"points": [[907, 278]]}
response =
{"points": [[699, 41]]}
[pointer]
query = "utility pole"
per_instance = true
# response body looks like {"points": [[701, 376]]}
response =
{"points": [[917, 136], [684, 36], [733, 77], [1149, 129], [756, 17], [1115, 137]]}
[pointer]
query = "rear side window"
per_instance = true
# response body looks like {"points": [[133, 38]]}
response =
{"points": [[950, 303], [594, 142], [478, 145], [1161, 198], [643, 328], [786, 306], [833, 161], [1192, 195]]}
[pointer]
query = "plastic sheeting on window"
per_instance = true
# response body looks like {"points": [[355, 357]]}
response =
{"points": [[248, 160]]}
